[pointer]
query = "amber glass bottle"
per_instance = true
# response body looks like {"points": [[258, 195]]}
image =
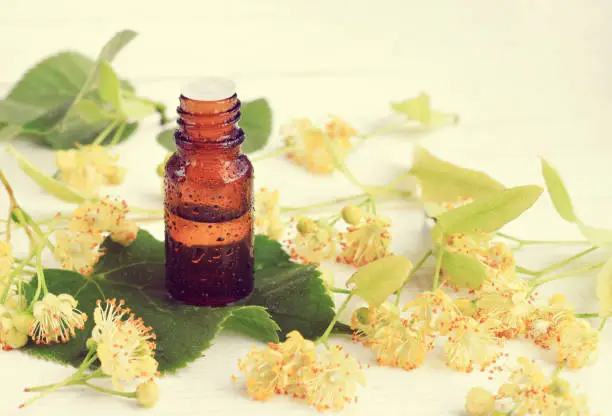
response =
{"points": [[209, 200]]}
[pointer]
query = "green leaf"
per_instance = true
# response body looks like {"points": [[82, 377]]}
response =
{"points": [[463, 270], [136, 109], [91, 112], [375, 281], [600, 237], [603, 289], [487, 214], [108, 85], [54, 187], [558, 193], [293, 293], [444, 182], [256, 121], [76, 130], [14, 112], [419, 109], [7, 132], [116, 44], [166, 139], [136, 274]]}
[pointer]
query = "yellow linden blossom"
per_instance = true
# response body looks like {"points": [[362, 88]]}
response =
{"points": [[307, 144], [56, 318], [471, 343], [283, 368], [267, 214], [436, 310], [530, 392], [545, 324], [335, 380], [315, 244], [78, 251], [508, 303], [125, 348], [107, 215], [366, 322], [338, 129], [89, 167], [367, 241], [578, 344]]}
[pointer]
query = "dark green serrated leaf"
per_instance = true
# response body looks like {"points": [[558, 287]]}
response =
{"points": [[293, 293], [136, 274], [256, 121], [166, 139]]}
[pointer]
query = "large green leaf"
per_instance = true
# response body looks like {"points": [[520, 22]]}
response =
{"points": [[256, 121], [444, 182], [558, 193], [136, 274], [487, 214]]}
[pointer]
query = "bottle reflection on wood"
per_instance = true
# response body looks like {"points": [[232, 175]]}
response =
{"points": [[208, 200]]}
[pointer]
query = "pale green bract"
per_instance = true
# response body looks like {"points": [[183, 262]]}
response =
{"points": [[463, 270], [487, 214], [54, 187], [600, 237], [108, 85], [558, 193], [444, 182], [603, 289], [419, 109], [375, 281]]}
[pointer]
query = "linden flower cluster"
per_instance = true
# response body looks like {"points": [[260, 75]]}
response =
{"points": [[78, 247], [89, 167], [528, 392], [325, 381], [14, 326], [367, 238], [267, 214], [308, 145]]}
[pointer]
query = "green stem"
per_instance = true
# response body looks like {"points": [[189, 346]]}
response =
{"points": [[273, 153], [324, 204], [411, 274], [118, 134], [522, 242], [603, 323], [560, 264], [340, 290], [539, 282], [104, 133], [130, 395], [438, 267], [341, 166], [587, 315], [323, 338]]}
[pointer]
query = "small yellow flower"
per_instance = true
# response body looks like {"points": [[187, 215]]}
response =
{"points": [[335, 380], [507, 302], [316, 245], [578, 344], [545, 324], [401, 344], [479, 402], [125, 348], [307, 144], [56, 318], [367, 241], [338, 129], [471, 343], [89, 167], [367, 322], [263, 371], [267, 214], [436, 310], [78, 251]]}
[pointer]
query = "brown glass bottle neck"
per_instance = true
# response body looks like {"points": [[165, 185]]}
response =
{"points": [[209, 125]]}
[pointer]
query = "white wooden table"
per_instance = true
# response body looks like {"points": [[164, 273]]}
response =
{"points": [[528, 78]]}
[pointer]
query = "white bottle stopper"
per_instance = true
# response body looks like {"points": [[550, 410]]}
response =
{"points": [[209, 89]]}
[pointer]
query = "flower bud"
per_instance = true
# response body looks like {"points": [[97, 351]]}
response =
{"points": [[305, 225], [352, 214], [15, 339], [147, 393], [363, 315], [91, 344], [22, 321], [479, 402]]}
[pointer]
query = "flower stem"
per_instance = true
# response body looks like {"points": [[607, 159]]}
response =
{"points": [[438, 267], [522, 242], [412, 273], [603, 323], [587, 315], [104, 133], [340, 290], [382, 130], [276, 152], [323, 338], [118, 134], [324, 204], [558, 265], [109, 391], [539, 282]]}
